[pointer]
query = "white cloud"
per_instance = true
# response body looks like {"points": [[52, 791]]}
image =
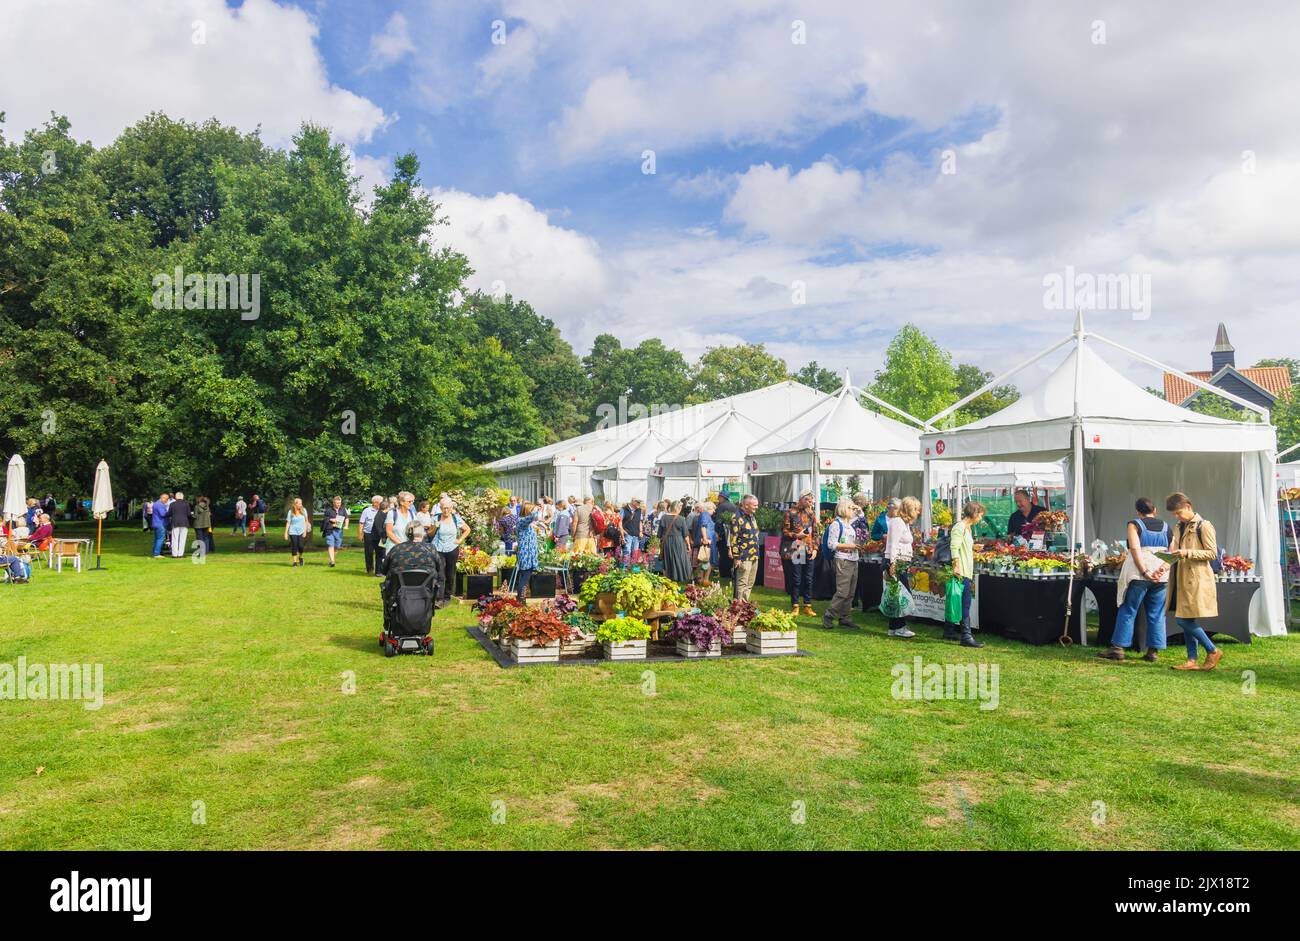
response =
{"points": [[507, 239], [107, 65], [391, 44]]}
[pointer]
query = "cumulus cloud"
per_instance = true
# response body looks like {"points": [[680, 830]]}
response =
{"points": [[514, 248], [390, 44], [106, 65]]}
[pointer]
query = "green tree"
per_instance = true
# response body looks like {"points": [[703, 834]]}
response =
{"points": [[970, 378], [497, 415], [732, 370], [558, 382], [72, 281], [650, 374], [465, 476], [917, 375], [818, 377]]}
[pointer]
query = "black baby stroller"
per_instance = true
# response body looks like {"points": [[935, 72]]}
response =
{"points": [[408, 612]]}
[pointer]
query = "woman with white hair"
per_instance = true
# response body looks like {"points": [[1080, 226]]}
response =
{"points": [[843, 541]]}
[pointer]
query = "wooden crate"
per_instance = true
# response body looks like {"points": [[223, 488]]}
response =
{"points": [[527, 651], [627, 650], [687, 649], [772, 642]]}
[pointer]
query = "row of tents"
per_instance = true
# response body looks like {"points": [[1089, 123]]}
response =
{"points": [[1084, 426]]}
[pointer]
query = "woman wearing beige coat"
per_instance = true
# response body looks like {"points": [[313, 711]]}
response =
{"points": [[1193, 591]]}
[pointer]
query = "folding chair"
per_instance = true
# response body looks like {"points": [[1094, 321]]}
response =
{"points": [[64, 550]]}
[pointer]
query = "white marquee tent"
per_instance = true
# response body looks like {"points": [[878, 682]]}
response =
{"points": [[622, 474], [568, 467], [836, 437], [701, 462], [1120, 442]]}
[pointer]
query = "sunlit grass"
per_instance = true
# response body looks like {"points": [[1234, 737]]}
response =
{"points": [[224, 684]]}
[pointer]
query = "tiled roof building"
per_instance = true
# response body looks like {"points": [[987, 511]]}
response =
{"points": [[1259, 384]]}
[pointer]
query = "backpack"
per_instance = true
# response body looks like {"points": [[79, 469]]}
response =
{"points": [[413, 606], [943, 548], [1216, 564], [612, 529]]}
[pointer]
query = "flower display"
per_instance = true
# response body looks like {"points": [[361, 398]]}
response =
{"points": [[699, 629], [619, 630], [537, 625], [1236, 563], [474, 562], [774, 620]]}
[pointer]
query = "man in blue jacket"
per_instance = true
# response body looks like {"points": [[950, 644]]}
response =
{"points": [[159, 522]]}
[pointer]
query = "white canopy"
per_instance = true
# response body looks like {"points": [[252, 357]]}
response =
{"points": [[839, 436], [101, 501], [569, 466], [1122, 443], [716, 450]]}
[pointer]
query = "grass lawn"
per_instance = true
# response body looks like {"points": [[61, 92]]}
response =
{"points": [[224, 684]]}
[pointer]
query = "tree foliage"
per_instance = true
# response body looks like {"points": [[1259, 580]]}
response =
{"points": [[733, 370]]}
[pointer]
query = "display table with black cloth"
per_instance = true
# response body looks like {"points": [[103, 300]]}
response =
{"points": [[1028, 607], [871, 583], [1235, 597], [823, 588], [473, 586]]}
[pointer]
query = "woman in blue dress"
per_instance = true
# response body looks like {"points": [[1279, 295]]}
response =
{"points": [[1143, 580], [526, 554]]}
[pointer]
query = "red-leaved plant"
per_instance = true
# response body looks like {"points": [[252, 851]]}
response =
{"points": [[539, 626], [700, 629]]}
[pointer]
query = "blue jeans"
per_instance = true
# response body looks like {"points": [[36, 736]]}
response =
{"points": [[631, 544], [801, 580], [967, 589], [1150, 596], [159, 534], [15, 566], [241, 526], [1193, 632]]}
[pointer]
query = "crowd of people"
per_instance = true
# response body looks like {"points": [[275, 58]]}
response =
{"points": [[698, 541]]}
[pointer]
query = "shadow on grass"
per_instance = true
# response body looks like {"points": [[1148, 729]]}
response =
{"points": [[366, 642], [1231, 781]]}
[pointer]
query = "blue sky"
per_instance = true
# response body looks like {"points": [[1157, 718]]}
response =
{"points": [[928, 162]]}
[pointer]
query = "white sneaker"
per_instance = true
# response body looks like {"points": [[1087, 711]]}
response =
{"points": [[901, 632]]}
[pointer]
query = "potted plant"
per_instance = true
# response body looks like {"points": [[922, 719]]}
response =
{"points": [[737, 617], [495, 613], [505, 568], [535, 635], [473, 574], [623, 638], [772, 632], [698, 635]]}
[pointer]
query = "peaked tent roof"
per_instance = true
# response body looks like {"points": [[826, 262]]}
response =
{"points": [[633, 458], [842, 435], [782, 399], [1116, 413], [716, 450]]}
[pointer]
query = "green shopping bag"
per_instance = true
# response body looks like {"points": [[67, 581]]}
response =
{"points": [[952, 601]]}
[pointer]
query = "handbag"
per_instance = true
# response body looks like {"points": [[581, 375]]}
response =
{"points": [[704, 554]]}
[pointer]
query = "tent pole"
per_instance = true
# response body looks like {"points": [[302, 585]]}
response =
{"points": [[1075, 522], [997, 380], [1182, 375], [1289, 450], [926, 521], [863, 393]]}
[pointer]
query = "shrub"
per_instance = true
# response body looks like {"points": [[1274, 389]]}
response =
{"points": [[537, 625]]}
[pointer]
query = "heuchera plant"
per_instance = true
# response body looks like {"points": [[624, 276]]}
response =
{"points": [[562, 605], [538, 625], [700, 629]]}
